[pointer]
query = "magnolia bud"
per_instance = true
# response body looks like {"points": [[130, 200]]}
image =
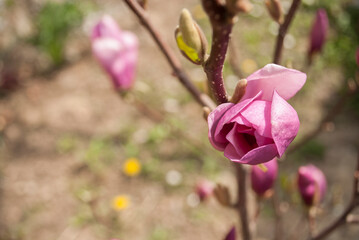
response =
{"points": [[239, 91], [190, 38], [222, 195], [231, 235], [236, 6], [312, 184], [204, 189], [263, 177], [275, 9], [318, 33]]}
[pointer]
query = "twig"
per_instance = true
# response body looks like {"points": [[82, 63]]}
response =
{"points": [[222, 22], [242, 201], [201, 98], [331, 114], [342, 219], [283, 31]]}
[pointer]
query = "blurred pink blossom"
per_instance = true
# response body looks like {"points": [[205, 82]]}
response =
{"points": [[312, 184], [116, 50], [204, 189], [262, 180], [231, 235], [318, 32], [262, 125]]}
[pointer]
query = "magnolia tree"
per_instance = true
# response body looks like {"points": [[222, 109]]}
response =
{"points": [[256, 125]]}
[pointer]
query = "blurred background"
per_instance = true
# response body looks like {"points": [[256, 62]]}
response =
{"points": [[78, 162]]}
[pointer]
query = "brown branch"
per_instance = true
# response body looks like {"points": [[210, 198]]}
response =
{"points": [[222, 22], [342, 219], [242, 201], [201, 98], [283, 28]]}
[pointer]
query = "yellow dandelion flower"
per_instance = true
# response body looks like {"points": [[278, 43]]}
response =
{"points": [[132, 167], [120, 202]]}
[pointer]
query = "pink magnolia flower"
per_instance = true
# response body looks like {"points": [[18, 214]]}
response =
{"points": [[312, 184], [116, 50], [204, 189], [318, 32], [262, 180], [262, 125]]}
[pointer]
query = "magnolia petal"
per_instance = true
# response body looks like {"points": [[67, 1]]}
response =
{"points": [[106, 27], [213, 119], [285, 123], [287, 82], [259, 116], [256, 156], [106, 50]]}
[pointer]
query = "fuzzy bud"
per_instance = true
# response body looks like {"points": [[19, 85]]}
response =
{"points": [[239, 91], [221, 193], [275, 9], [236, 6], [190, 38], [312, 184]]}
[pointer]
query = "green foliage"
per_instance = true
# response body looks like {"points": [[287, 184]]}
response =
{"points": [[312, 149], [54, 22], [160, 233], [98, 155], [66, 144]]}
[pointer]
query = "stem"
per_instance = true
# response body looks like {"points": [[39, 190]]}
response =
{"points": [[242, 201], [341, 220], [283, 28], [222, 22], [201, 98]]}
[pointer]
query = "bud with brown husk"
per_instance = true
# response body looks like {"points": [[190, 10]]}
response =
{"points": [[236, 6], [239, 91], [190, 38], [275, 9], [222, 195]]}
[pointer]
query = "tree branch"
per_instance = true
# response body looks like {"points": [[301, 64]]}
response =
{"points": [[283, 28], [201, 98], [242, 201], [222, 22]]}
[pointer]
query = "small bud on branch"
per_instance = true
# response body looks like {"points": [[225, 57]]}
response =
{"points": [[275, 9]]}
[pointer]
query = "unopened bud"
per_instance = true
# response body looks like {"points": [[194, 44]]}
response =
{"points": [[204, 189], [222, 195], [312, 184], [236, 6], [190, 38], [263, 177], [239, 91], [275, 9], [206, 112], [231, 235]]}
